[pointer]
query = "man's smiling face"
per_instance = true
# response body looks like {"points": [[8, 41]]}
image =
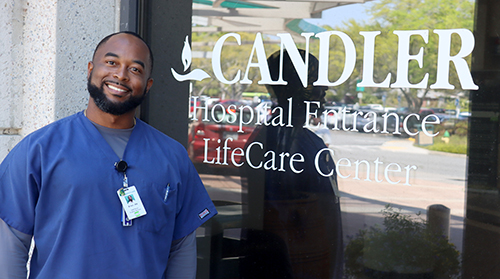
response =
{"points": [[119, 74]]}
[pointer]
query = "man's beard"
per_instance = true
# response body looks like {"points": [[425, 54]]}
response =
{"points": [[108, 106]]}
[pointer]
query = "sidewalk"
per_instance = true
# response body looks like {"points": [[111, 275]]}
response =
{"points": [[403, 145]]}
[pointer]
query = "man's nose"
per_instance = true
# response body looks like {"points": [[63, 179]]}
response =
{"points": [[121, 73]]}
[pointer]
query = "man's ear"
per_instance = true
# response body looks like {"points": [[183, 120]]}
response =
{"points": [[90, 66]]}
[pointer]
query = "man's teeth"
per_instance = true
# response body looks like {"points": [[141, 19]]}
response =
{"points": [[116, 88]]}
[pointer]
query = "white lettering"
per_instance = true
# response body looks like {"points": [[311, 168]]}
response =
{"points": [[324, 53], [293, 160], [195, 110], [396, 123], [205, 152], [271, 163], [231, 110], [300, 65], [408, 168], [248, 155], [225, 149], [242, 122], [218, 107], [258, 48], [239, 153], [372, 122], [340, 164], [216, 58], [274, 164], [424, 124], [358, 163], [405, 123], [317, 166], [404, 57], [282, 161], [309, 113], [388, 169], [278, 117], [326, 116], [444, 58], [369, 61]]}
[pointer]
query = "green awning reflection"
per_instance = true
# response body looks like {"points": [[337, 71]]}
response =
{"points": [[204, 2], [299, 26], [234, 4]]}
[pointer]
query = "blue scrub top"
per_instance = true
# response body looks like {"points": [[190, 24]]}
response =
{"points": [[59, 184]]}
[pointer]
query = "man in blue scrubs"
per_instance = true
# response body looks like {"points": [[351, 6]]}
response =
{"points": [[103, 195]]}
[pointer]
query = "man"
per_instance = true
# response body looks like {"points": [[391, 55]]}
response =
{"points": [[317, 126], [291, 207], [66, 185]]}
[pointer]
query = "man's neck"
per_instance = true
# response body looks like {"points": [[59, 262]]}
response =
{"points": [[102, 118]]}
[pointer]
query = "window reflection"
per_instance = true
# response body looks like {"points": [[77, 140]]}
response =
{"points": [[282, 220], [282, 224], [217, 130]]}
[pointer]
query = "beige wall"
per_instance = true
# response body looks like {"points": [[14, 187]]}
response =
{"points": [[44, 49]]}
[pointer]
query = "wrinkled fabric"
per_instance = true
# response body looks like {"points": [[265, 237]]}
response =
{"points": [[59, 184]]}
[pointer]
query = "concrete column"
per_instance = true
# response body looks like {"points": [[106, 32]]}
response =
{"points": [[44, 49], [11, 73], [80, 26]]}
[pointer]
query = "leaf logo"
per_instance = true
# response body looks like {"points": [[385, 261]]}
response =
{"points": [[186, 57], [186, 54]]}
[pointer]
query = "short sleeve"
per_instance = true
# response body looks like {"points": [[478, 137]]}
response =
{"points": [[194, 205], [19, 180]]}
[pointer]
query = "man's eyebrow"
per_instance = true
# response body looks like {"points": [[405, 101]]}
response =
{"points": [[111, 54], [140, 63], [116, 55]]}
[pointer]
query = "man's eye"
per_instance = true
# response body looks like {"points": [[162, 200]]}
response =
{"points": [[135, 70], [110, 62]]}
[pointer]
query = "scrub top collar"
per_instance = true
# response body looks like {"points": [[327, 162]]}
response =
{"points": [[99, 140]]}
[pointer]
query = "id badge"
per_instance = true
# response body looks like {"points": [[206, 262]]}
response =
{"points": [[131, 202]]}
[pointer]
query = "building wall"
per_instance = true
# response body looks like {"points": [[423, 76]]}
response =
{"points": [[45, 46]]}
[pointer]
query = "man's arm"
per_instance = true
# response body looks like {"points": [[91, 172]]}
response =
{"points": [[14, 250], [182, 259]]}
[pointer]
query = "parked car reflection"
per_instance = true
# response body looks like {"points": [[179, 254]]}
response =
{"points": [[396, 126], [217, 127]]}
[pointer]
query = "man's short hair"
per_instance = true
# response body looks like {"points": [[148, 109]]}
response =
{"points": [[130, 33]]}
